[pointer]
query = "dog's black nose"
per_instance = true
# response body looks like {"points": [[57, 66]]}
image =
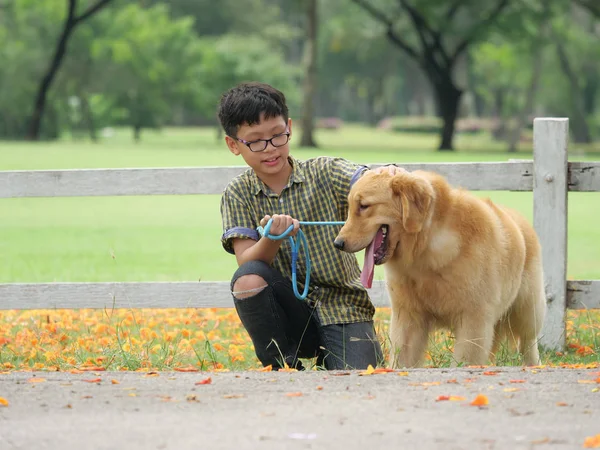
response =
{"points": [[339, 244]]}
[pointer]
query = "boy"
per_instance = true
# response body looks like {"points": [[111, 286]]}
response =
{"points": [[335, 321]]}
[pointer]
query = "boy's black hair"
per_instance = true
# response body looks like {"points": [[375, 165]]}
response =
{"points": [[246, 102]]}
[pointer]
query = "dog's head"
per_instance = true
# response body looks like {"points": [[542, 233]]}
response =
{"points": [[383, 210]]}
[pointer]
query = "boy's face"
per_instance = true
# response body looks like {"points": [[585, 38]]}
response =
{"points": [[270, 161]]}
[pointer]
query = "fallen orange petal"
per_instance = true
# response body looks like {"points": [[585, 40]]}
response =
{"points": [[205, 381], [383, 370], [92, 369], [511, 389], [113, 381], [294, 394], [234, 396], [592, 442], [268, 368], [491, 372], [3, 401], [185, 369], [451, 398], [480, 400], [518, 381], [370, 370], [562, 404], [95, 380], [36, 380]]}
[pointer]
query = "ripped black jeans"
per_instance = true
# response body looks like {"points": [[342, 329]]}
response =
{"points": [[283, 328]]}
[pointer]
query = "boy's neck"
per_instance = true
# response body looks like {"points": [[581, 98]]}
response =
{"points": [[278, 181]]}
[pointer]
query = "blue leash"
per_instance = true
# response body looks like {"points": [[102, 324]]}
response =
{"points": [[295, 250]]}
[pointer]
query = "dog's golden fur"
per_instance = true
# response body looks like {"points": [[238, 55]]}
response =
{"points": [[453, 260]]}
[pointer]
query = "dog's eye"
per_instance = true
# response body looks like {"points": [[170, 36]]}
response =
{"points": [[363, 207]]}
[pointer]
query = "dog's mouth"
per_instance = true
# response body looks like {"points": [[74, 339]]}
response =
{"points": [[380, 244], [375, 253]]}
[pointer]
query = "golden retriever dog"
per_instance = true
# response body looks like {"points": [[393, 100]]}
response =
{"points": [[452, 260]]}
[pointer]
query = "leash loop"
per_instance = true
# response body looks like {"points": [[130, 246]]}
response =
{"points": [[295, 246]]}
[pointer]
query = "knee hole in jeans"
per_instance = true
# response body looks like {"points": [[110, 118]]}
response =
{"points": [[248, 286]]}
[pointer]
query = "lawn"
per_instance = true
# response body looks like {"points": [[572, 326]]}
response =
{"points": [[176, 238]]}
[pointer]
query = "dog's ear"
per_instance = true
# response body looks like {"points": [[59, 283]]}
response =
{"points": [[416, 196]]}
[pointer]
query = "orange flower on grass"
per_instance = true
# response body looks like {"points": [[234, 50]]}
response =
{"points": [[585, 351]]}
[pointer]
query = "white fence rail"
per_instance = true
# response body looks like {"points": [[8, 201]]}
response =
{"points": [[550, 176]]}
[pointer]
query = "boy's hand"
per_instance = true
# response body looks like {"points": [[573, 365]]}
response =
{"points": [[281, 223], [393, 170]]}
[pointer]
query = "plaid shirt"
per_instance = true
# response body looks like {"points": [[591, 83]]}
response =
{"points": [[316, 191]]}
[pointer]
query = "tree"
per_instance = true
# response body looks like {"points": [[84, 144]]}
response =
{"points": [[69, 26], [536, 44], [232, 59], [591, 5], [434, 24], [310, 74], [151, 64], [360, 73], [577, 53]]}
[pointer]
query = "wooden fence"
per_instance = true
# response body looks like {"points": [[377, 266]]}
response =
{"points": [[550, 176]]}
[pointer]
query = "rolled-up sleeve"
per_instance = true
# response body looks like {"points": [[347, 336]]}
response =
{"points": [[237, 221]]}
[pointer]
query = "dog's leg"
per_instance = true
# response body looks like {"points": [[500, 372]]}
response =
{"points": [[474, 337], [528, 315], [408, 340]]}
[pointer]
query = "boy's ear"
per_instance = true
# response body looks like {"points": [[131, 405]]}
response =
{"points": [[232, 144], [290, 126]]}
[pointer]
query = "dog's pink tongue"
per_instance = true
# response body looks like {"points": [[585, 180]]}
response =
{"points": [[366, 276]]}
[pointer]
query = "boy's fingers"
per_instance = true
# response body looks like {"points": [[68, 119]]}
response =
{"points": [[264, 221]]}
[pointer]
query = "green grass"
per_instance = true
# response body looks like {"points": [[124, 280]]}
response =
{"points": [[171, 238]]}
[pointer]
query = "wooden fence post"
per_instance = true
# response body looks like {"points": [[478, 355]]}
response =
{"points": [[550, 189]]}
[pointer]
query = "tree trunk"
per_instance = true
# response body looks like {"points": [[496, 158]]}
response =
{"points": [[71, 22], [537, 49], [579, 126], [310, 76], [59, 53], [515, 135], [447, 97], [137, 133], [88, 118], [590, 92], [478, 101]]}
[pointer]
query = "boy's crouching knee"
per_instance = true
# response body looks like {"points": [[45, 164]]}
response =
{"points": [[248, 286], [250, 279]]}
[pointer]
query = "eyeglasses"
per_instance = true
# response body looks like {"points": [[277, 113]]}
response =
{"points": [[260, 145]]}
